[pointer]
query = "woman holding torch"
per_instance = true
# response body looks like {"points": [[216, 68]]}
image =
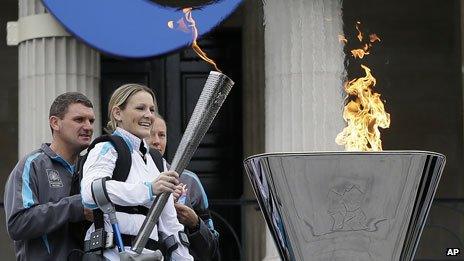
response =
{"points": [[131, 111]]}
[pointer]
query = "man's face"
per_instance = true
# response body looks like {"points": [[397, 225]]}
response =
{"points": [[158, 136], [76, 128]]}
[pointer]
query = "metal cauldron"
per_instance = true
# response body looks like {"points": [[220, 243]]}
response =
{"points": [[346, 205]]}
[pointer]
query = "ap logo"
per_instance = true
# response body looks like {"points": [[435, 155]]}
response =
{"points": [[452, 251]]}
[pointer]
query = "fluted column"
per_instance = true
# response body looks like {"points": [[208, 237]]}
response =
{"points": [[253, 122], [304, 78], [48, 67]]}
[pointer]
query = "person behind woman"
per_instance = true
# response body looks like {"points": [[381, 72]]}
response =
{"points": [[193, 212], [131, 111]]}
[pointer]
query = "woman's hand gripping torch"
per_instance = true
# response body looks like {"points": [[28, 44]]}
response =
{"points": [[212, 97]]}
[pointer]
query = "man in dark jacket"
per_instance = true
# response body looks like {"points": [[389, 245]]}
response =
{"points": [[38, 206], [192, 207]]}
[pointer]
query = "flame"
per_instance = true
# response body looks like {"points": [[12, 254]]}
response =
{"points": [[342, 39], [359, 53], [364, 111], [184, 27], [364, 115], [180, 25], [360, 35], [373, 38]]}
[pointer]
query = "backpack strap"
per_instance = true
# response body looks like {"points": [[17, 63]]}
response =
{"points": [[124, 160], [121, 169], [158, 159], [120, 162]]}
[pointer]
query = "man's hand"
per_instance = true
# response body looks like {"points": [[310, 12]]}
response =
{"points": [[186, 216], [178, 191], [165, 182], [88, 214]]}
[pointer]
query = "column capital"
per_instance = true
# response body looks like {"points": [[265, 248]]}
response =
{"points": [[32, 27]]}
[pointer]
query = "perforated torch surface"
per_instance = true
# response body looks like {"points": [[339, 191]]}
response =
{"points": [[214, 93]]}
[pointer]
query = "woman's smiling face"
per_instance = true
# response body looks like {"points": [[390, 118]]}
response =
{"points": [[138, 115]]}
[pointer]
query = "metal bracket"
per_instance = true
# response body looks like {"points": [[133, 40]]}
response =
{"points": [[32, 27], [103, 201], [100, 196]]}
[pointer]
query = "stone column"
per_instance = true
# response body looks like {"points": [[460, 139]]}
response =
{"points": [[49, 66], [254, 226], [304, 78]]}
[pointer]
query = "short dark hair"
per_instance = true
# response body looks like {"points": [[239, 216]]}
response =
{"points": [[61, 103]]}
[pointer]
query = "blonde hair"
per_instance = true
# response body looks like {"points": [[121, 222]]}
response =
{"points": [[119, 99]]}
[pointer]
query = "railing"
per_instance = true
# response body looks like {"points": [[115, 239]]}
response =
{"points": [[217, 217]]}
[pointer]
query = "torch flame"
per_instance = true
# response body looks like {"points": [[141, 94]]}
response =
{"points": [[181, 25], [364, 111]]}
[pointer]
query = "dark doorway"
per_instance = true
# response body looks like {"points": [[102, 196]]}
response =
{"points": [[177, 80]]}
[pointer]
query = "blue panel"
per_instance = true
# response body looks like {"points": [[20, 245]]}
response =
{"points": [[133, 28], [26, 191], [195, 177]]}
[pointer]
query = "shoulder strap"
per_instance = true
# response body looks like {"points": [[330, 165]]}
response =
{"points": [[158, 159], [121, 169], [124, 160]]}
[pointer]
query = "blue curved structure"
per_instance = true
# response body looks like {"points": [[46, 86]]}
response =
{"points": [[134, 28]]}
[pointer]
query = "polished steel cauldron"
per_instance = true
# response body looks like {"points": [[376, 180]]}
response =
{"points": [[350, 206]]}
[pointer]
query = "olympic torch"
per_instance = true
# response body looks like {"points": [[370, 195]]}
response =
{"points": [[215, 91]]}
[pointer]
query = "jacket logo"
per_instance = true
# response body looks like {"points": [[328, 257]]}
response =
{"points": [[54, 179]]}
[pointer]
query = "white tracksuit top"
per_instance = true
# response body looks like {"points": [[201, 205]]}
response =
{"points": [[135, 191]]}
